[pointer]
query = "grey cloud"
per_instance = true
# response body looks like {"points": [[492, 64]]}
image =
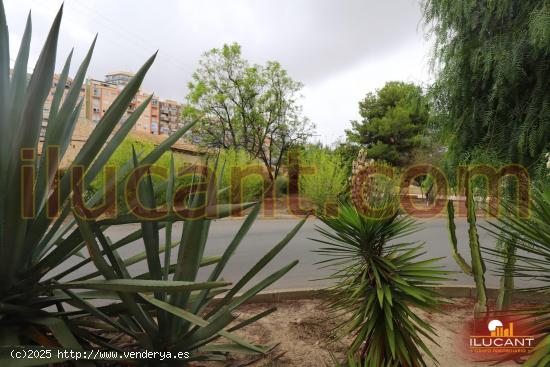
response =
{"points": [[313, 39]]}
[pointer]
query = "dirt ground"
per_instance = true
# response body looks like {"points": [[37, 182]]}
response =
{"points": [[301, 328]]}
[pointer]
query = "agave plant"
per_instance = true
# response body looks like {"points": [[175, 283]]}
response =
{"points": [[531, 238], [172, 317], [35, 246], [379, 286], [164, 309]]}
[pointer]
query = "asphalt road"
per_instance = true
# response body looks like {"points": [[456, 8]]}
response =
{"points": [[265, 233]]}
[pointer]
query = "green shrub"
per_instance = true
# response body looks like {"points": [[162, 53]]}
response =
{"points": [[329, 179], [123, 154], [347, 153], [281, 185], [231, 162], [377, 282]]}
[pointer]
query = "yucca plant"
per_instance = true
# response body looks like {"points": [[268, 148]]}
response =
{"points": [[380, 284], [531, 238]]}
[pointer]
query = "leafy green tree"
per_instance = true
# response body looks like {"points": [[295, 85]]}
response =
{"points": [[393, 121], [491, 96], [493, 62], [250, 107]]}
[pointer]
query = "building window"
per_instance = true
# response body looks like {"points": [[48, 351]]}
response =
{"points": [[96, 92]]}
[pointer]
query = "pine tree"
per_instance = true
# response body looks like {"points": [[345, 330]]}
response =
{"points": [[393, 123]]}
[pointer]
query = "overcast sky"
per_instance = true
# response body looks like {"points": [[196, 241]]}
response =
{"points": [[339, 50]]}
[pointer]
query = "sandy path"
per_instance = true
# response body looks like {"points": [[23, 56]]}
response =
{"points": [[301, 327]]}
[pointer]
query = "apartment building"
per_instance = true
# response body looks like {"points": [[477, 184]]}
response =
{"points": [[170, 116], [149, 120], [119, 77], [98, 98], [49, 99], [160, 117], [101, 94]]}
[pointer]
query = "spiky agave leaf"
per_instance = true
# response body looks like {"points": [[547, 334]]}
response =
{"points": [[378, 281], [32, 247], [187, 320]]}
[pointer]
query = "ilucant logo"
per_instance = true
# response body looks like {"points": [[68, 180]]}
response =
{"points": [[501, 338]]}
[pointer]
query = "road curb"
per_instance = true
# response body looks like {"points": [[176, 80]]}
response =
{"points": [[281, 295]]}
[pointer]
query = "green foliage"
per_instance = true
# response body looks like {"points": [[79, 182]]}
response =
{"points": [[478, 156], [380, 284], [393, 123], [462, 263], [37, 244], [347, 153], [329, 179], [281, 185], [233, 164], [167, 308], [250, 107], [477, 267], [494, 65], [478, 264], [123, 154], [531, 239]]}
